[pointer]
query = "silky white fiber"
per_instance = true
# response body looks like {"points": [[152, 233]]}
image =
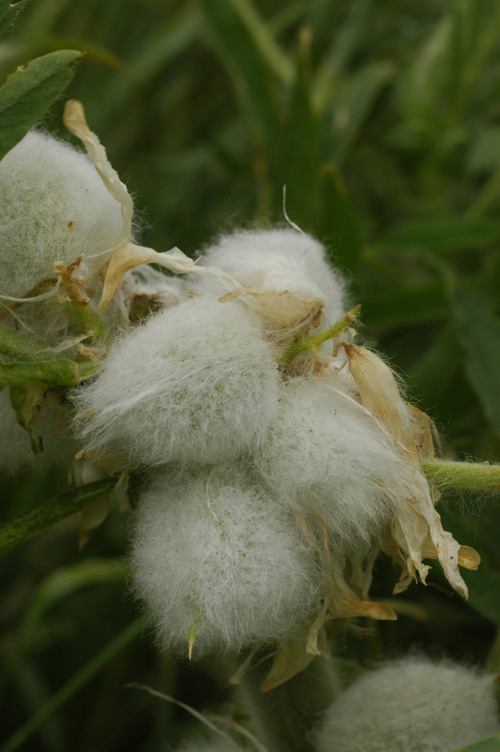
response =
{"points": [[411, 705], [194, 384], [53, 207], [326, 457], [277, 259], [215, 553]]}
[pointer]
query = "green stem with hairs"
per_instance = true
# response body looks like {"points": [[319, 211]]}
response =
{"points": [[472, 475], [314, 343], [39, 519]]}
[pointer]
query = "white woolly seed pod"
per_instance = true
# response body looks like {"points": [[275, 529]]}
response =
{"points": [[214, 554], [53, 207], [326, 457], [195, 384], [277, 259], [412, 705]]}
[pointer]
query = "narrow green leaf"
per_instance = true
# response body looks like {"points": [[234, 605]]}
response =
{"points": [[337, 222], [93, 667], [302, 141], [490, 744], [444, 236], [30, 91], [37, 520], [241, 49], [20, 346], [59, 372], [9, 12], [25, 400], [479, 334], [353, 104], [407, 306]]}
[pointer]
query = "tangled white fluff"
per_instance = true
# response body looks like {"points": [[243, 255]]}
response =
{"points": [[277, 259], [53, 207], [324, 456], [194, 384], [216, 550], [411, 705]]}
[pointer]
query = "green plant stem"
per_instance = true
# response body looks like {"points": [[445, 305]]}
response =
{"points": [[20, 346], [89, 320], [37, 520], [285, 716], [92, 668], [58, 372], [473, 475], [314, 342]]}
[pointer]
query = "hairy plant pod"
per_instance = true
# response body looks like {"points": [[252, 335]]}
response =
{"points": [[219, 563], [53, 208], [195, 384], [280, 259], [411, 705]]}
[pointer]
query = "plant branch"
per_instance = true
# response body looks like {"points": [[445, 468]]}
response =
{"points": [[473, 475]]}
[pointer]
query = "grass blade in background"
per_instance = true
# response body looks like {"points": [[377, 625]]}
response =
{"points": [[491, 744], [479, 334], [29, 92]]}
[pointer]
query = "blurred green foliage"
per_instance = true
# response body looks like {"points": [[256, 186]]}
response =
{"points": [[383, 121]]}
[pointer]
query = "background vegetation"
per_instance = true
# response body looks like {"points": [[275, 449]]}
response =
{"points": [[383, 121]]}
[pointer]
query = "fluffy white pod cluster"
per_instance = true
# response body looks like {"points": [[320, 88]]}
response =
{"points": [[196, 384], [412, 705], [324, 456], [215, 555], [53, 207], [277, 259]]}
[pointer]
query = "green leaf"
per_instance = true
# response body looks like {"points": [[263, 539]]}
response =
{"points": [[479, 334], [302, 140], [490, 744], [8, 14], [443, 236], [479, 532], [352, 107], [37, 520], [30, 91], [337, 222], [25, 400], [406, 306], [93, 667], [248, 53], [59, 372]]}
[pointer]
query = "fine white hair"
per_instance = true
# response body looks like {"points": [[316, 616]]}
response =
{"points": [[325, 456], [53, 207], [215, 553], [411, 705], [277, 259], [195, 384]]}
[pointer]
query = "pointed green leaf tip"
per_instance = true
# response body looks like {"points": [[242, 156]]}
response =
{"points": [[30, 91]]}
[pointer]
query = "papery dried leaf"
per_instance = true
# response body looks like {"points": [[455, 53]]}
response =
{"points": [[74, 120], [92, 517], [281, 309], [288, 661], [422, 432]]}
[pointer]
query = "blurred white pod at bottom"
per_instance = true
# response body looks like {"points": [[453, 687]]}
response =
{"points": [[411, 705], [215, 557]]}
